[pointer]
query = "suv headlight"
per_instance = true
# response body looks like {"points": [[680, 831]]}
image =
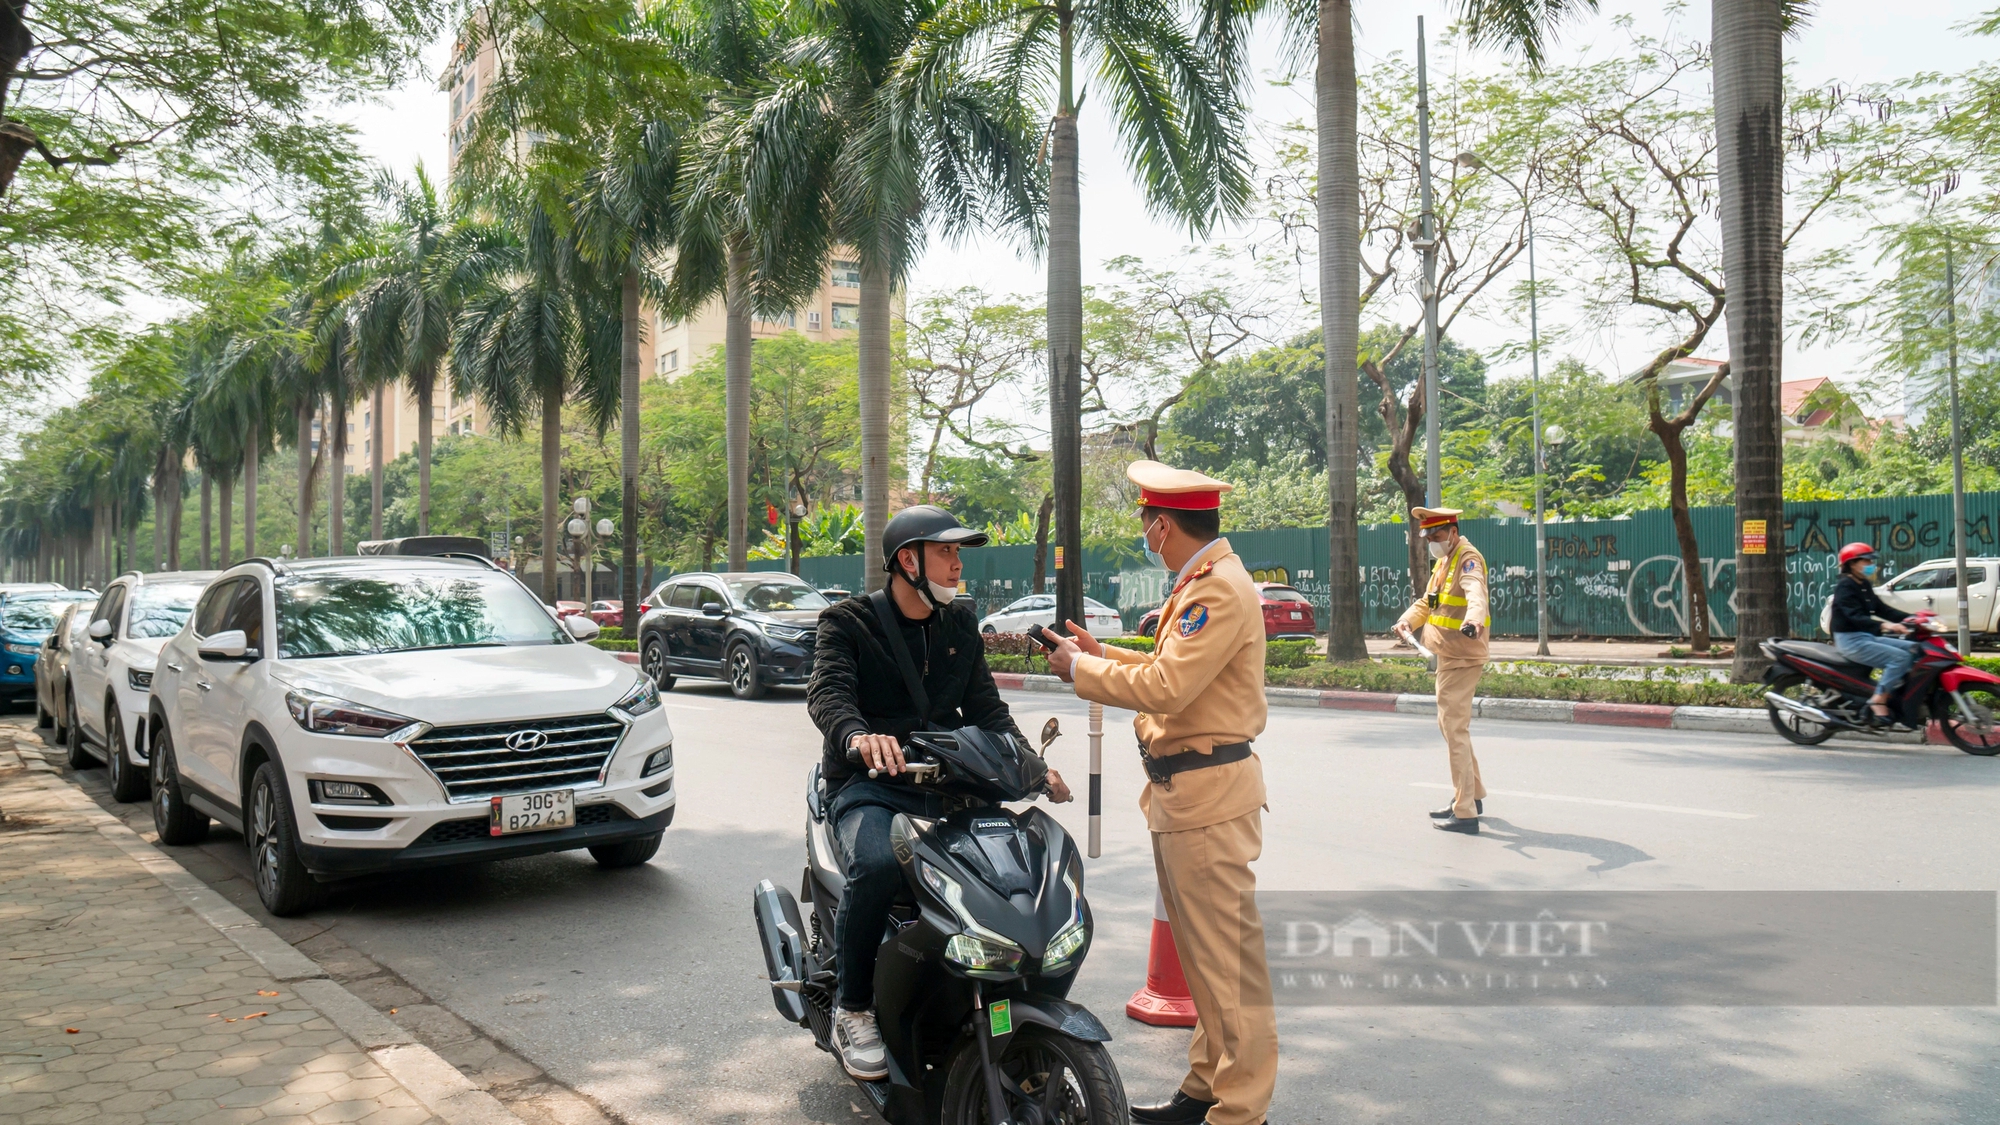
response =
{"points": [[323, 714], [979, 951], [644, 697], [787, 633], [140, 679]]}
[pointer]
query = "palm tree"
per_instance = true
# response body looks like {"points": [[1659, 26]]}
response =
{"points": [[625, 222], [750, 230], [1172, 90], [947, 144], [1748, 41], [540, 328]]}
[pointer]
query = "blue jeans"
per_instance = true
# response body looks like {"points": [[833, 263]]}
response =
{"points": [[874, 879], [1891, 654]]}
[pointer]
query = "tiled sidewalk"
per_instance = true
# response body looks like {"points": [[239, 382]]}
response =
{"points": [[124, 997]]}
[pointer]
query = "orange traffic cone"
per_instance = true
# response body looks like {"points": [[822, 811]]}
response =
{"points": [[1165, 1001]]}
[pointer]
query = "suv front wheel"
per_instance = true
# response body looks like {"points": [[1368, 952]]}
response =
{"points": [[746, 679], [128, 782], [283, 884]]}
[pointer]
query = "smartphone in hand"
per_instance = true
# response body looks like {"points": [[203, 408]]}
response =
{"points": [[1045, 637]]}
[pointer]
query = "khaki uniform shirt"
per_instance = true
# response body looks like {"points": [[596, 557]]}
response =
{"points": [[1202, 685], [1459, 583]]}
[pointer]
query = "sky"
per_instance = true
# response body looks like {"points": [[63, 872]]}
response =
{"points": [[1849, 41]]}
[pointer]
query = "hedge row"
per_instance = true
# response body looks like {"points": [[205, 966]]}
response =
{"points": [[615, 645], [1400, 678], [1277, 654]]}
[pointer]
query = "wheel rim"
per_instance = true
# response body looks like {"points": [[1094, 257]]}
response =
{"points": [[652, 662], [163, 802], [1042, 1079], [264, 839], [1801, 691], [114, 754], [1972, 717], [739, 671]]}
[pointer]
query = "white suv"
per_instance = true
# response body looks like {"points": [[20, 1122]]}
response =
{"points": [[111, 671], [355, 715]]}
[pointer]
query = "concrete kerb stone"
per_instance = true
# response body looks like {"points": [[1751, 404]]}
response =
{"points": [[1528, 710], [439, 1086]]}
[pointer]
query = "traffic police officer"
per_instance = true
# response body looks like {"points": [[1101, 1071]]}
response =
{"points": [[1200, 698], [1453, 616]]}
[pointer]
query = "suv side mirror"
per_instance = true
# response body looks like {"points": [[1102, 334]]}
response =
{"points": [[230, 644], [100, 630], [580, 627], [713, 609]]}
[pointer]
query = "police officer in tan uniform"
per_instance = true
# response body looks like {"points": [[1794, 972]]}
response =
{"points": [[1453, 616], [1200, 698]]}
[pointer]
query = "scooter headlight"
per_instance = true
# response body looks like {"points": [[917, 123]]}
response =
{"points": [[979, 951], [1070, 940]]}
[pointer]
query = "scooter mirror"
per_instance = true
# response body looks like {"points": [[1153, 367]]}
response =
{"points": [[1051, 730]]}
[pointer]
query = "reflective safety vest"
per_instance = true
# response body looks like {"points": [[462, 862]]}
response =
{"points": [[1447, 609]]}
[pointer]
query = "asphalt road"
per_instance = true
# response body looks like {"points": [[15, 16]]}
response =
{"points": [[643, 988]]}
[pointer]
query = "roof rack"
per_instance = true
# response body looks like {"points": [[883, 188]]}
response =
{"points": [[488, 563], [276, 566]]}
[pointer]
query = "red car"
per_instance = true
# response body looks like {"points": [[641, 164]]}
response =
{"points": [[1288, 616], [608, 615], [568, 609]]}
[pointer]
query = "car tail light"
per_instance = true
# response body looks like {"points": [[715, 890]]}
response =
{"points": [[645, 608]]}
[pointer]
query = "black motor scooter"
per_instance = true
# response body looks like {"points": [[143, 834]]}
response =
{"points": [[974, 966]]}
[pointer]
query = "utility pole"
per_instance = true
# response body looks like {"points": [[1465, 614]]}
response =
{"points": [[1957, 447], [1426, 242]]}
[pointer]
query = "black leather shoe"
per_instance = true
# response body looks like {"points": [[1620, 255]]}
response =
{"points": [[1445, 813], [1177, 1110], [1466, 824]]}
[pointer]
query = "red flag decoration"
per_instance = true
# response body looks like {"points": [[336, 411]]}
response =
{"points": [[771, 513]]}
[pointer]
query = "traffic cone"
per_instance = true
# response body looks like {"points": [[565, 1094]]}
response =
{"points": [[1165, 1001]]}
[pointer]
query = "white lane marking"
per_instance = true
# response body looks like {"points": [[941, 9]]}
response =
{"points": [[692, 707], [1598, 801]]}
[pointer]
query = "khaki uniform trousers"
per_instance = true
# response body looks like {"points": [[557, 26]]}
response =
{"points": [[1457, 681], [1210, 893]]}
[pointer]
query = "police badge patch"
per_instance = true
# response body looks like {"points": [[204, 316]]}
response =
{"points": [[1471, 566], [1192, 620]]}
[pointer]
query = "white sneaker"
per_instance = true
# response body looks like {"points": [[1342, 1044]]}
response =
{"points": [[859, 1042]]}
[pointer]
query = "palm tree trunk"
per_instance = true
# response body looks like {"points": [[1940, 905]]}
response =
{"points": [[132, 540], [1340, 320], [1748, 38], [874, 393], [207, 521], [251, 456], [426, 396], [336, 483], [173, 511], [628, 449], [376, 430], [551, 488], [1066, 345], [307, 458], [159, 515], [228, 486], [736, 405]]}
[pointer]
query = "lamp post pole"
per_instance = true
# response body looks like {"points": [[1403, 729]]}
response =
{"points": [[1957, 448], [1426, 242]]}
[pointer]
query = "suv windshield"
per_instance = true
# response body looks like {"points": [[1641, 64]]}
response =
{"points": [[160, 611], [34, 616], [775, 595], [352, 615]]}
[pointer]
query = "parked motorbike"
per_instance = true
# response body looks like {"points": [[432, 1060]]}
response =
{"points": [[1812, 691], [973, 970]]}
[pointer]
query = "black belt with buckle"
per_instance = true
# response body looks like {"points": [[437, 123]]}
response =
{"points": [[1162, 770]]}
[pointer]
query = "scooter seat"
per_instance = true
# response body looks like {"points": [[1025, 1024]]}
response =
{"points": [[1825, 654]]}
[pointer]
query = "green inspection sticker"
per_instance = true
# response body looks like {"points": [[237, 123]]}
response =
{"points": [[1001, 1017]]}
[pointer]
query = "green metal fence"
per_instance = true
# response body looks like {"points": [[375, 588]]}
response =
{"points": [[1607, 578]]}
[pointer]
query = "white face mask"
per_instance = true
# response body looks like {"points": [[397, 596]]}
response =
{"points": [[1438, 550], [941, 594]]}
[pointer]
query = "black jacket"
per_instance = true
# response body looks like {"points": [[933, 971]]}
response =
{"points": [[1855, 608], [857, 688]]}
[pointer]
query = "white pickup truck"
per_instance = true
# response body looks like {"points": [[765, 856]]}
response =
{"points": [[1932, 587]]}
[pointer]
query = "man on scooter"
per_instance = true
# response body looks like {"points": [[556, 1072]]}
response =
{"points": [[1858, 621], [862, 700]]}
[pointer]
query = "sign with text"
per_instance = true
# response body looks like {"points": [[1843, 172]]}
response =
{"points": [[1753, 537]]}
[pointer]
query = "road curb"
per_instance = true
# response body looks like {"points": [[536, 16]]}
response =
{"points": [[444, 1090]]}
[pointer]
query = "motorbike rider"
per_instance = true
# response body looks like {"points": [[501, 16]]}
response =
{"points": [[860, 700], [1860, 618]]}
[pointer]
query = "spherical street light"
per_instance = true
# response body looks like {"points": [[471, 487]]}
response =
{"points": [[1554, 435], [582, 506], [604, 529], [576, 528]]}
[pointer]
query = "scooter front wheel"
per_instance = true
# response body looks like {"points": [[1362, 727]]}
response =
{"points": [[1070, 1081], [1971, 719]]}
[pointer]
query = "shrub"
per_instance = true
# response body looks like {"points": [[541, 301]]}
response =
{"points": [[615, 645], [611, 633]]}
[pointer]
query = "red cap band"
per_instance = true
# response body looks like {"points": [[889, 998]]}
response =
{"points": [[1429, 522], [1201, 500]]}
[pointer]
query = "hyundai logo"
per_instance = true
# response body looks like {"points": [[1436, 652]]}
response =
{"points": [[526, 741]]}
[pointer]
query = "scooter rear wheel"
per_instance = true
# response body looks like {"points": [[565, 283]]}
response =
{"points": [[1797, 728], [1071, 1081], [1979, 732]]}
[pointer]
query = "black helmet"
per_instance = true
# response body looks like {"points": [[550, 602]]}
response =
{"points": [[925, 523]]}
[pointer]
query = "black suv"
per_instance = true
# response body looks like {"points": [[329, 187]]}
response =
{"points": [[750, 629]]}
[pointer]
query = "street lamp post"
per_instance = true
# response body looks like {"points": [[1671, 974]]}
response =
{"points": [[586, 535], [1471, 160], [798, 513], [1957, 449], [1555, 435], [1427, 242]]}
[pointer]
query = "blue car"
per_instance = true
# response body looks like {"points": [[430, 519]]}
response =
{"points": [[27, 616]]}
